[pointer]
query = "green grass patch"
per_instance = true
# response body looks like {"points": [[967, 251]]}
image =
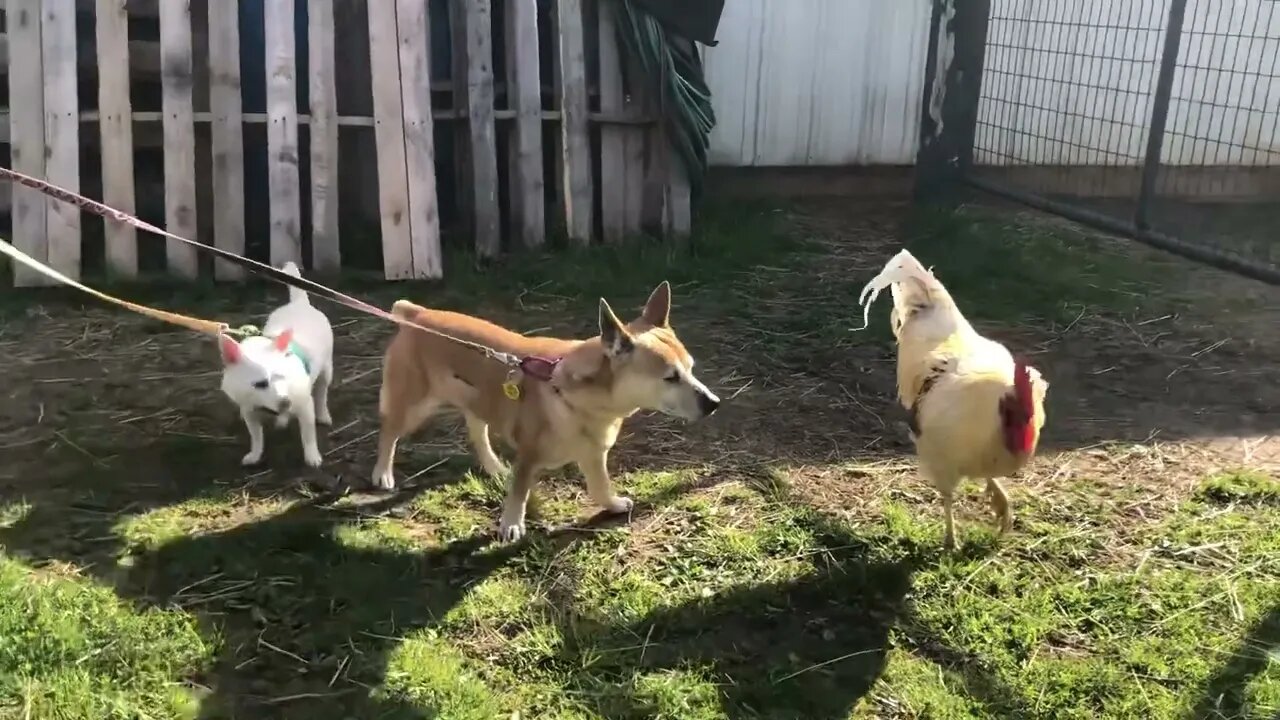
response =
{"points": [[1006, 269], [73, 649]]}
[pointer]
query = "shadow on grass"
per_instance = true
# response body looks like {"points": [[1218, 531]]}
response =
{"points": [[1225, 695], [332, 614], [810, 647], [308, 615]]}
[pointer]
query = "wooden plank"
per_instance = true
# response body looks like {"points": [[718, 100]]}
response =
{"points": [[526, 183], [634, 146], [463, 193], [26, 119], [146, 130], [115, 127], [137, 8], [653, 183], [388, 127], [613, 138], [419, 138], [227, 136], [555, 207], [677, 218], [483, 135], [6, 189], [282, 133], [574, 124], [61, 131], [179, 135], [326, 256]]}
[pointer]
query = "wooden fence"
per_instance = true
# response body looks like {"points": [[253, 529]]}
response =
{"points": [[546, 127]]}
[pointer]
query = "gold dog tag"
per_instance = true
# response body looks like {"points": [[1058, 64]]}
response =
{"points": [[511, 386]]}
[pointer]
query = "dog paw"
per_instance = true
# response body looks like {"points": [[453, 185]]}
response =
{"points": [[509, 530], [1005, 523], [252, 458], [325, 419], [619, 505], [312, 457], [500, 470], [384, 481], [282, 421]]}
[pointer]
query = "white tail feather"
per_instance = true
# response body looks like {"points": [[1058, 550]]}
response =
{"points": [[295, 295], [900, 268]]}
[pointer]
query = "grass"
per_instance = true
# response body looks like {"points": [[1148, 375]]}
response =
{"points": [[783, 560]]}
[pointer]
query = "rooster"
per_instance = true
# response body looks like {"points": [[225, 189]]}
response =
{"points": [[974, 411]]}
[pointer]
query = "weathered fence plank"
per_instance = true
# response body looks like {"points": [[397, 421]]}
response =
{"points": [[483, 135], [26, 134], [282, 133], [464, 194], [227, 135], [61, 131], [179, 134], [40, 49], [326, 256], [576, 138], [634, 145], [388, 126], [677, 218], [613, 137], [115, 125], [524, 93], [419, 138]]}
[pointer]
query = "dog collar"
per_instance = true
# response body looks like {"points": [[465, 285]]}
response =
{"points": [[296, 350]]}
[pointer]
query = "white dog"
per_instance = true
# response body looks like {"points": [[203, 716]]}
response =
{"points": [[284, 373]]}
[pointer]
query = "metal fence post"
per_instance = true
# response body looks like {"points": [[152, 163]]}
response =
{"points": [[1160, 112], [953, 83]]}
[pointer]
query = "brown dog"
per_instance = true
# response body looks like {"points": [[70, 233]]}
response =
{"points": [[574, 417]]}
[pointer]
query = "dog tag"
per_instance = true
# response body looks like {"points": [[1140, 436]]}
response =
{"points": [[511, 386]]}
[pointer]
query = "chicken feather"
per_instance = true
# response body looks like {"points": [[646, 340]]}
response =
{"points": [[974, 410]]}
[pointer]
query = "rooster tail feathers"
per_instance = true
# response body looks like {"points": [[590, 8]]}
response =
{"points": [[909, 282]]}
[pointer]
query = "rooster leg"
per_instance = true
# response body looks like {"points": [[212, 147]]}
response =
{"points": [[1000, 504], [949, 531], [945, 483]]}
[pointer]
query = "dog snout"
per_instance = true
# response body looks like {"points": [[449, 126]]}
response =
{"points": [[708, 403], [284, 404]]}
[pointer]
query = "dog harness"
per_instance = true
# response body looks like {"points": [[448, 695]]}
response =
{"points": [[296, 350]]}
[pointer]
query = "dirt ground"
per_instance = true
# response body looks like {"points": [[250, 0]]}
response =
{"points": [[1161, 373], [1189, 375]]}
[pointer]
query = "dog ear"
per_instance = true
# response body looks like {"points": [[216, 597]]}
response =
{"points": [[657, 309], [230, 349], [283, 339], [613, 334]]}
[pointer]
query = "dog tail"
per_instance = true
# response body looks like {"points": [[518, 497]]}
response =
{"points": [[295, 295]]}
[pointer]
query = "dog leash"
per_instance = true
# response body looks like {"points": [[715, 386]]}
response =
{"points": [[208, 327], [537, 367]]}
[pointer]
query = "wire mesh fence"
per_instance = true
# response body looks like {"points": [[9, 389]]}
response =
{"points": [[1153, 118]]}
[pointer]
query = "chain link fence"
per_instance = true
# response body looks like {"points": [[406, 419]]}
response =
{"points": [[1155, 119]]}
